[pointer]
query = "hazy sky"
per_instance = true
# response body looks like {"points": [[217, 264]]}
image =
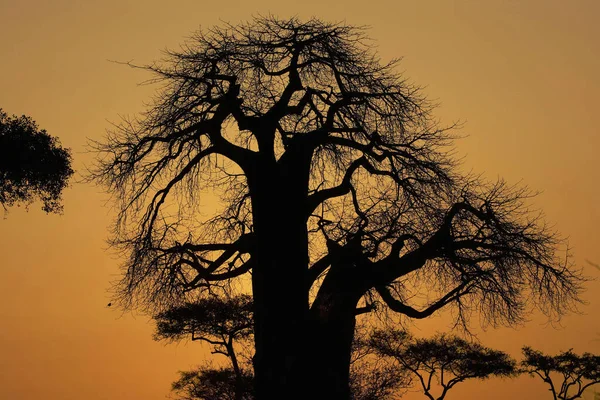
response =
{"points": [[522, 75]]}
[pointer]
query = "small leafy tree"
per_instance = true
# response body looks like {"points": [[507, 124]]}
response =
{"points": [[449, 359], [567, 374], [33, 165]]}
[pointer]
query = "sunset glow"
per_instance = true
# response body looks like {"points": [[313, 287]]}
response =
{"points": [[520, 79]]}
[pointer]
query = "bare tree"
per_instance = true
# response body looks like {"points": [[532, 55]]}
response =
{"points": [[449, 359], [337, 190], [567, 374], [33, 165]]}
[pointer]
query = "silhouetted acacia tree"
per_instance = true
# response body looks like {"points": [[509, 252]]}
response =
{"points": [[449, 359], [33, 165], [336, 190], [222, 323], [567, 373]]}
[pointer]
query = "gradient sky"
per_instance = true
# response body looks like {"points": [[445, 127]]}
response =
{"points": [[522, 75]]}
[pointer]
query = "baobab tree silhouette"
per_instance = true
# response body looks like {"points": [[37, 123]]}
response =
{"points": [[338, 192]]}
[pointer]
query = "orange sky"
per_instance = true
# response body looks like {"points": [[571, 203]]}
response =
{"points": [[522, 74]]}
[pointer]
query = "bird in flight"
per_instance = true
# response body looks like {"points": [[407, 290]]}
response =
{"points": [[109, 304]]}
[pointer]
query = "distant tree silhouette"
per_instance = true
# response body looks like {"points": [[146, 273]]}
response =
{"points": [[449, 359], [336, 191], [567, 374], [33, 165], [206, 383], [223, 323]]}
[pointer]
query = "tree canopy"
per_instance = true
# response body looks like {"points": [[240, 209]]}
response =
{"points": [[33, 165], [206, 383], [337, 191], [449, 359], [567, 374]]}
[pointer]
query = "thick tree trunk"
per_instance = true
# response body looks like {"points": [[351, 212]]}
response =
{"points": [[279, 279], [305, 355], [280, 315], [333, 322], [300, 353], [330, 354]]}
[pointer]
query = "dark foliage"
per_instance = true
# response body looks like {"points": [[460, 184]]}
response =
{"points": [[206, 318], [567, 374], [449, 359], [33, 165], [377, 380], [207, 383]]}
